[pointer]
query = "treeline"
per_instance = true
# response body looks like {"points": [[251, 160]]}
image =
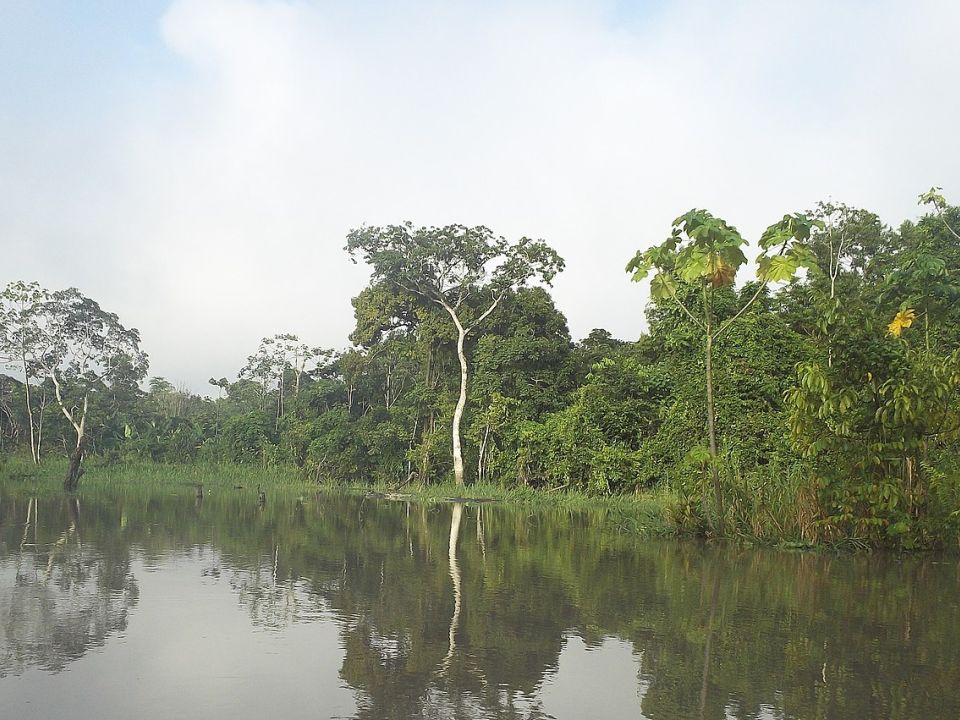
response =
{"points": [[816, 402]]}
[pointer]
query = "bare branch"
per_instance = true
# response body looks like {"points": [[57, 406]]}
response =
{"points": [[486, 313], [696, 321]]}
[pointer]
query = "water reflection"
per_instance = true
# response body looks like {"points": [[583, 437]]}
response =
{"points": [[455, 520], [274, 602], [400, 610], [58, 598]]}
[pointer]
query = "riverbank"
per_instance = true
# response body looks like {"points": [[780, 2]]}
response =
{"points": [[784, 519], [649, 514]]}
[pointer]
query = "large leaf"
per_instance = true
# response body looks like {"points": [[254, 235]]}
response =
{"points": [[804, 257], [732, 255], [778, 268], [791, 227], [663, 286], [775, 235], [694, 263], [720, 273], [933, 197]]}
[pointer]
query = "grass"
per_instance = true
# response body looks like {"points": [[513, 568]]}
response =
{"points": [[647, 513], [775, 507], [644, 514], [100, 475]]}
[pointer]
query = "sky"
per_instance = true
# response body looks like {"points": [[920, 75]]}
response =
{"points": [[195, 165]]}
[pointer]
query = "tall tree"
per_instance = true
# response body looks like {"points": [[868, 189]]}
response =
{"points": [[464, 270], [939, 203], [275, 356], [847, 242], [82, 349], [19, 303], [704, 253]]}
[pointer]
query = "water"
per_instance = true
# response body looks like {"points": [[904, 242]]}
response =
{"points": [[165, 606]]}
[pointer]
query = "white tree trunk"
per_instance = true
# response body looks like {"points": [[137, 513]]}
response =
{"points": [[43, 407], [76, 458], [34, 449], [458, 474], [461, 404]]}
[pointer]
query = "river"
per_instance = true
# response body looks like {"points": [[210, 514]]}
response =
{"points": [[147, 604]]}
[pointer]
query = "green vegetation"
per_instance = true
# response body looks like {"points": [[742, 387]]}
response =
{"points": [[645, 515], [705, 253], [820, 403]]}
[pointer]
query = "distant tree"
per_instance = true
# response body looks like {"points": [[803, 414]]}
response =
{"points": [[269, 365], [352, 364], [846, 240], [939, 203], [222, 384], [596, 346], [464, 270], [19, 304], [169, 400]]}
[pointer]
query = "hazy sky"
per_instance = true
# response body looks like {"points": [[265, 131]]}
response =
{"points": [[195, 165]]}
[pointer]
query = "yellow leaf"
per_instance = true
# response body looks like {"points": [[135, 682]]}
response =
{"points": [[720, 272], [901, 320]]}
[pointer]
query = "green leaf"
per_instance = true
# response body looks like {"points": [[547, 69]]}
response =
{"points": [[933, 197], [693, 264], [640, 266], [804, 257], [791, 227], [663, 286], [698, 455], [778, 268], [732, 255], [773, 236]]}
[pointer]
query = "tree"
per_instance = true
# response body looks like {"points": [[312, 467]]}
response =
{"points": [[939, 203], [275, 356], [81, 349], [465, 271], [924, 272], [868, 430], [704, 254], [874, 424], [222, 384], [19, 302], [847, 241]]}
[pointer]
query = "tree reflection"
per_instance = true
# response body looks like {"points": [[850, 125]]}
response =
{"points": [[455, 519], [438, 619], [59, 597], [274, 602], [410, 653]]}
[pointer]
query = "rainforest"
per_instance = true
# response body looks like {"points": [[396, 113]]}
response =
{"points": [[800, 388]]}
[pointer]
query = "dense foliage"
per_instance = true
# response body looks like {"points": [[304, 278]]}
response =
{"points": [[834, 379]]}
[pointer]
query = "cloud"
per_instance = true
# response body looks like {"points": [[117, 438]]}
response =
{"points": [[213, 196]]}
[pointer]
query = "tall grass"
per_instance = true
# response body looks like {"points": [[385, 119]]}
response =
{"points": [[17, 470], [774, 503], [645, 514]]}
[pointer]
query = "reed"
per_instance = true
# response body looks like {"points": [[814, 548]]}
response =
{"points": [[643, 514]]}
